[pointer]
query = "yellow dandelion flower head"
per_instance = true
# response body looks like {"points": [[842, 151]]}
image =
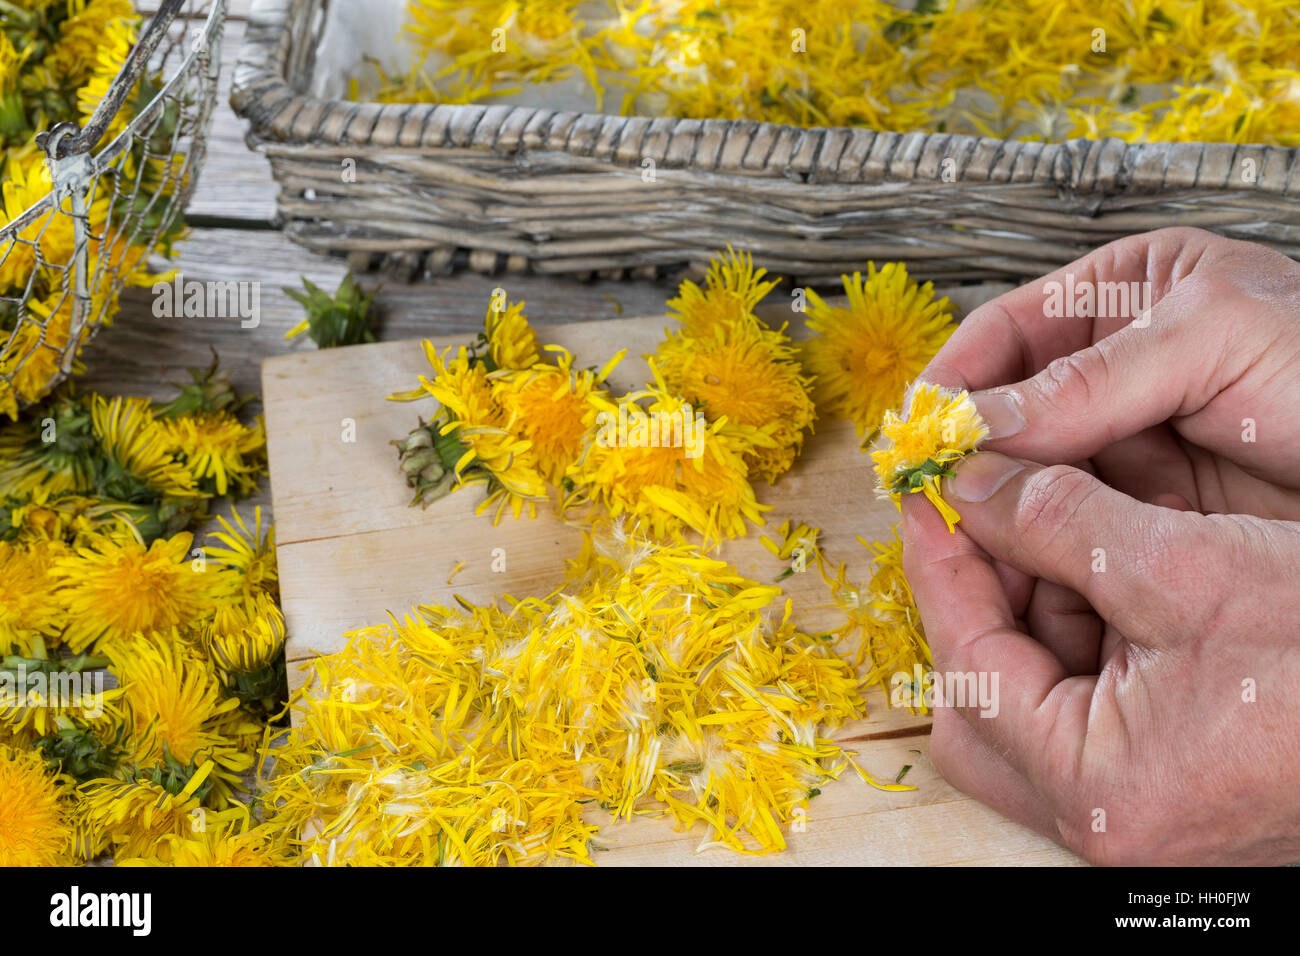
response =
{"points": [[114, 587], [134, 440], [656, 460], [28, 605], [732, 289], [218, 449], [512, 343], [748, 376], [245, 635], [473, 414], [131, 817], [36, 827], [248, 551], [553, 408], [95, 44], [864, 355], [225, 845], [57, 518], [914, 453], [173, 706]]}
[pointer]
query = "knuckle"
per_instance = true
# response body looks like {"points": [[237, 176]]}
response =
{"points": [[1071, 381], [1049, 500]]}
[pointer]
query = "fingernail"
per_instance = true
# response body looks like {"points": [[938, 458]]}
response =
{"points": [[980, 476], [1001, 413]]}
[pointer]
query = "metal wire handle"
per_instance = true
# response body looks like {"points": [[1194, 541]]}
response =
{"points": [[84, 139]]}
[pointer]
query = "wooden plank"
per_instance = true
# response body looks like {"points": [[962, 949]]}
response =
{"points": [[235, 183], [142, 352], [352, 550]]}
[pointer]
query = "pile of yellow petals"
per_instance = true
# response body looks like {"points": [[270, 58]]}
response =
{"points": [[659, 681], [865, 353], [58, 59], [882, 620], [1153, 70], [916, 452]]}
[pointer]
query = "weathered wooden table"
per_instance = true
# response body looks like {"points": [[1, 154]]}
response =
{"points": [[233, 238]]}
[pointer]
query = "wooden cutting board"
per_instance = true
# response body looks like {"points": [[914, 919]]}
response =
{"points": [[351, 549]]}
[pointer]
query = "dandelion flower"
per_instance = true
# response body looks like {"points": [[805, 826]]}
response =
{"points": [[250, 552], [672, 470], [132, 817], [114, 587], [224, 845], [746, 375], [244, 641], [553, 409], [137, 450], [864, 355], [732, 289], [914, 453], [36, 826], [174, 709], [473, 436], [29, 607], [219, 451]]}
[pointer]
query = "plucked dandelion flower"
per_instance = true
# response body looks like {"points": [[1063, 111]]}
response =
{"points": [[137, 450], [672, 470], [29, 608], [41, 689], [132, 817], [115, 587], [227, 845], [36, 821], [864, 355], [220, 452], [477, 431], [914, 453], [244, 640]]}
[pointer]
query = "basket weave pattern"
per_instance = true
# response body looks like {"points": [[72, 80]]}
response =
{"points": [[564, 192]]}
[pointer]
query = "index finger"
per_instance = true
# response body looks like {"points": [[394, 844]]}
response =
{"points": [[1010, 338]]}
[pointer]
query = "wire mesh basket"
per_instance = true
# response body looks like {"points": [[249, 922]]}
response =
{"points": [[106, 211]]}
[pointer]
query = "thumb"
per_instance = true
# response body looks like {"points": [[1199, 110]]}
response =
{"points": [[1064, 525], [1155, 368]]}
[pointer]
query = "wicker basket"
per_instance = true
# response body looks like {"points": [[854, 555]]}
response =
{"points": [[516, 188], [181, 46]]}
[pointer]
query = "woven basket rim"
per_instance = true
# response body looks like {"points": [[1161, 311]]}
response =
{"points": [[285, 122]]}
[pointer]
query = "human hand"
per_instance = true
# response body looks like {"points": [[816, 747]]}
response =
{"points": [[1140, 606]]}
